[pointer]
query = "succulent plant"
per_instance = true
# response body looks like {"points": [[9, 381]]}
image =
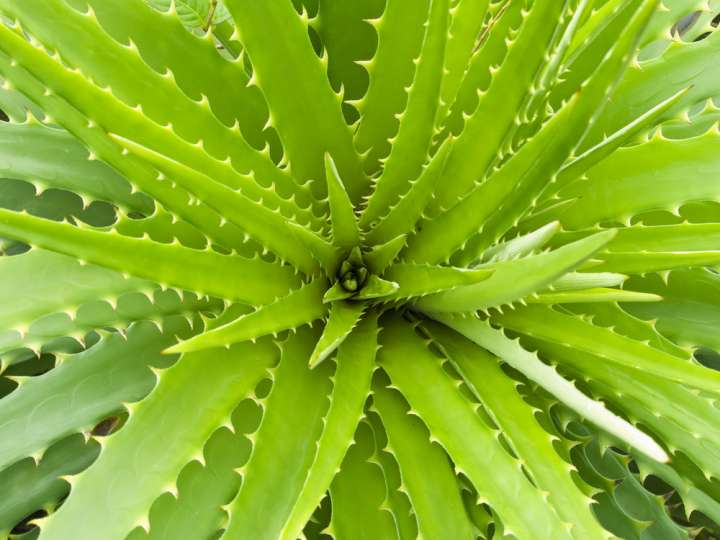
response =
{"points": [[437, 269]]}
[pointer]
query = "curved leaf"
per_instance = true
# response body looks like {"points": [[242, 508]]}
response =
{"points": [[400, 32], [288, 434], [344, 316], [546, 323], [81, 391], [482, 333], [305, 109], [355, 364], [419, 376], [513, 280], [426, 472], [411, 144], [171, 437], [302, 306], [249, 280], [359, 493], [516, 418], [52, 158]]}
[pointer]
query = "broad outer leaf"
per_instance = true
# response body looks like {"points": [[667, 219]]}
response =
{"points": [[147, 455]]}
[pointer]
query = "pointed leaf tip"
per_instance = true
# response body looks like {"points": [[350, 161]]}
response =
{"points": [[178, 348], [335, 293], [380, 257], [344, 316], [377, 288], [345, 230], [301, 306]]}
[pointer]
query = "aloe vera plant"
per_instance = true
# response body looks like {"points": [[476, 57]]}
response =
{"points": [[380, 269]]}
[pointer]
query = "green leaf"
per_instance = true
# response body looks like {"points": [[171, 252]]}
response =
{"points": [[202, 73], [682, 237], [600, 294], [438, 238], [195, 13], [173, 198], [467, 18], [522, 245], [382, 256], [355, 364], [419, 376], [402, 217], [400, 32], [67, 285], [574, 281], [573, 169], [479, 515], [305, 110], [627, 508], [691, 123], [345, 231], [162, 227], [515, 279], [82, 390], [662, 24], [692, 497], [591, 43], [344, 316], [234, 277], [288, 434], [649, 82], [690, 309], [59, 331], [426, 472], [52, 158], [623, 321], [641, 248], [171, 437], [411, 144], [302, 306], [493, 207], [503, 21], [536, 108], [416, 280], [643, 262], [141, 100], [642, 178], [29, 485], [397, 500], [265, 225], [15, 105], [468, 161], [55, 204], [349, 38], [545, 323], [359, 493], [376, 287], [671, 411], [527, 363], [195, 509], [516, 419], [337, 293]]}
